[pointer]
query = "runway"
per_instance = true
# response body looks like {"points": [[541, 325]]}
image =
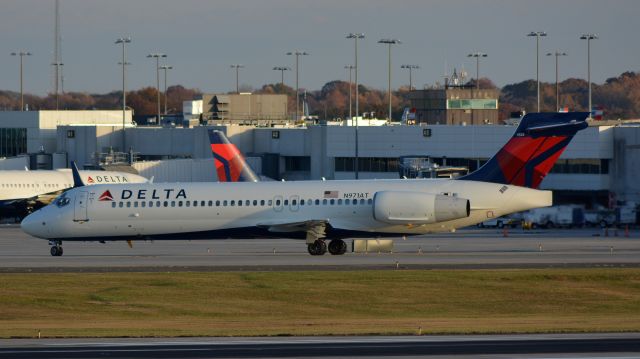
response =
{"points": [[525, 346], [468, 248]]}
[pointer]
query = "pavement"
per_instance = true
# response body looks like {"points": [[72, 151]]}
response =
{"points": [[626, 345], [467, 248]]}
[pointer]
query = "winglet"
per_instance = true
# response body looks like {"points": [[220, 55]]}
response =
{"points": [[77, 180]]}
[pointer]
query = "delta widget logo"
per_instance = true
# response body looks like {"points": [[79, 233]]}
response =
{"points": [[106, 196]]}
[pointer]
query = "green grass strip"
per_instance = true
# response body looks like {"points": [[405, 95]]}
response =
{"points": [[319, 303]]}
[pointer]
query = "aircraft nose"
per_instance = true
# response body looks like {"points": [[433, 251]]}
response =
{"points": [[35, 225]]}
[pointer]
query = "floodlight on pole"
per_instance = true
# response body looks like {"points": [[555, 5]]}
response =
{"points": [[557, 54], [282, 69], [165, 68], [355, 36], [22, 54], [389, 42], [157, 56], [538, 35], [297, 54], [410, 68], [237, 67], [477, 55], [589, 37], [124, 63]]}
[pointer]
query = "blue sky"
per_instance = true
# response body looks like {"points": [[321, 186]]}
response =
{"points": [[203, 38]]}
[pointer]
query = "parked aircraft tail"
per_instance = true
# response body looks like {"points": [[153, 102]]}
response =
{"points": [[533, 150], [229, 162]]}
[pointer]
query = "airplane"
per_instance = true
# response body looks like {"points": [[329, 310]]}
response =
{"points": [[318, 211], [26, 190]]}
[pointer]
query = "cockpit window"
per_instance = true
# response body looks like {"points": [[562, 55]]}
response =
{"points": [[62, 201]]}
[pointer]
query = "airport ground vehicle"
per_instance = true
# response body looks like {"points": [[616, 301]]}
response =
{"points": [[316, 210]]}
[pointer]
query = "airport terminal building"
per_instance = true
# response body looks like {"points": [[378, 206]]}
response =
{"points": [[601, 162]]}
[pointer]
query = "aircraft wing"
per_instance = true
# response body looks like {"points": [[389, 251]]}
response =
{"points": [[314, 228]]}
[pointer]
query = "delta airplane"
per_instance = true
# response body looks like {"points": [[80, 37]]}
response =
{"points": [[318, 211], [30, 189]]}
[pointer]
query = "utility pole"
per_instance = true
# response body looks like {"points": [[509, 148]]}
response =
{"points": [[350, 67], [157, 56], [355, 37], [589, 37], [165, 68], [557, 54], [297, 54], [237, 67], [537, 35], [22, 54], [282, 69]]}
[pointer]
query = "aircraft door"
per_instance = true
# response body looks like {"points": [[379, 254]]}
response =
{"points": [[277, 203], [294, 203], [80, 206]]}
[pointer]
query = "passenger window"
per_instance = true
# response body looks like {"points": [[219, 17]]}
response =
{"points": [[120, 204], [113, 205], [173, 203], [128, 204], [333, 201], [247, 203], [240, 203], [362, 202], [293, 202], [317, 202], [143, 204], [135, 204], [324, 202], [188, 203], [195, 203], [302, 202], [165, 203], [340, 201], [269, 203], [255, 202], [233, 203], [262, 202], [179, 203], [286, 202], [217, 203], [355, 201], [277, 202], [224, 203], [158, 204], [369, 201]]}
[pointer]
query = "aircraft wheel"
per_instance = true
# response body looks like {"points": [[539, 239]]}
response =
{"points": [[317, 248], [337, 247], [56, 251]]}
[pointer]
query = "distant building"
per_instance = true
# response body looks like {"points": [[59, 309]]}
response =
{"points": [[455, 106], [245, 108]]}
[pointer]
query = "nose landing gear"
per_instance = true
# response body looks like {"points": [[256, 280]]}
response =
{"points": [[56, 248]]}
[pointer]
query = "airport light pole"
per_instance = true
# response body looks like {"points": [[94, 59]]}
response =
{"points": [[538, 35], [389, 42], [58, 65], [22, 54], [589, 37], [124, 63], [165, 68], [297, 54], [557, 54], [350, 67], [355, 37], [282, 69], [410, 67], [237, 67], [477, 55], [157, 56]]}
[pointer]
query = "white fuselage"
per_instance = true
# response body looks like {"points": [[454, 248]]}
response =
{"points": [[138, 210], [44, 185]]}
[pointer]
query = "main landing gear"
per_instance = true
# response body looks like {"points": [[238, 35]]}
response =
{"points": [[319, 247], [56, 248]]}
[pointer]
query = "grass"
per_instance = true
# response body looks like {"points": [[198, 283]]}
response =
{"points": [[319, 303]]}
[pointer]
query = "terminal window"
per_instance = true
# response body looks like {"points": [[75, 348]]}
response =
{"points": [[13, 141]]}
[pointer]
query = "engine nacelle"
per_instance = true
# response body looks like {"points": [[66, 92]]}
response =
{"points": [[398, 207]]}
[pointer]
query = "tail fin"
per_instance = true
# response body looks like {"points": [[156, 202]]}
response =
{"points": [[533, 150], [230, 165]]}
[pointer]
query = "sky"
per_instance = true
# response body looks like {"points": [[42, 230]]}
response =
{"points": [[202, 38]]}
